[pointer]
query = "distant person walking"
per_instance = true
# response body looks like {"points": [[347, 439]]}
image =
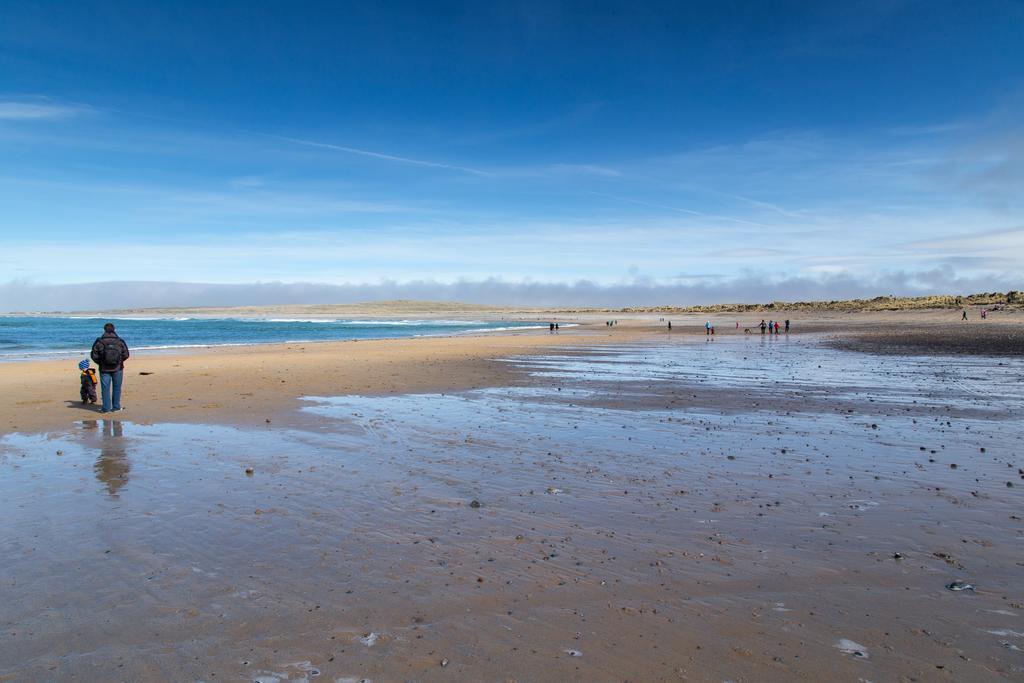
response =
{"points": [[787, 325], [669, 325], [110, 352], [551, 328], [965, 315], [762, 325], [707, 328]]}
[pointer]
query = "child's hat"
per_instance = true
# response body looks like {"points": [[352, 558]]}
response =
{"points": [[84, 365]]}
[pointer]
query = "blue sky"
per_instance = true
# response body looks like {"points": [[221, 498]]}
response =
{"points": [[676, 151]]}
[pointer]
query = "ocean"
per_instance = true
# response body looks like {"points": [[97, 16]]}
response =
{"points": [[31, 337]]}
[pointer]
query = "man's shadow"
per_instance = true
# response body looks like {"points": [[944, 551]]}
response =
{"points": [[88, 407], [113, 466]]}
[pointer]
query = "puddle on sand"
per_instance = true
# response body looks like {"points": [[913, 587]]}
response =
{"points": [[147, 552]]}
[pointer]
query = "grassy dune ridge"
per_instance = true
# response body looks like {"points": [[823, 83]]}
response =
{"points": [[879, 303]]}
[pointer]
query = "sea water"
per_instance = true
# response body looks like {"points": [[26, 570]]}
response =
{"points": [[23, 337]]}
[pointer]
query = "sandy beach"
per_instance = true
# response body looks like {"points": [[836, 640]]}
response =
{"points": [[247, 384], [605, 504]]}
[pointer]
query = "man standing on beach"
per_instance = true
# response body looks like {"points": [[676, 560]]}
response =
{"points": [[110, 352]]}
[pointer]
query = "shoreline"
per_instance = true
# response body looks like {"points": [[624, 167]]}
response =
{"points": [[250, 383], [59, 354]]}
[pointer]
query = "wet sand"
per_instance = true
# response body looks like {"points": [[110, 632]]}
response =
{"points": [[938, 338], [639, 509]]}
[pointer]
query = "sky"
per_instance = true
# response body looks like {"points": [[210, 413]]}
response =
{"points": [[588, 153]]}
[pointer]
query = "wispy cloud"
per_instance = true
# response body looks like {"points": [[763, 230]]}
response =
{"points": [[748, 252], [755, 203], [932, 129], [678, 209], [379, 155], [995, 241], [244, 198], [586, 169], [33, 111], [576, 116]]}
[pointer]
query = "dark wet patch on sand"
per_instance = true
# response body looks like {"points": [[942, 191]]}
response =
{"points": [[956, 338]]}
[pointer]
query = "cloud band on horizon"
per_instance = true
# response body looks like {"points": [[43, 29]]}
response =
{"points": [[23, 296]]}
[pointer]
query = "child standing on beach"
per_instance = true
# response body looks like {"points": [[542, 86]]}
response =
{"points": [[88, 380]]}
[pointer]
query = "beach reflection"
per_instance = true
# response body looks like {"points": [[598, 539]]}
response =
{"points": [[112, 466]]}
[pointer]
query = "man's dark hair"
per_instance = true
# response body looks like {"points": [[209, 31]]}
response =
{"points": [[109, 327]]}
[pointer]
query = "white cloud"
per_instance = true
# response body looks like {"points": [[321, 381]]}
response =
{"points": [[22, 295]]}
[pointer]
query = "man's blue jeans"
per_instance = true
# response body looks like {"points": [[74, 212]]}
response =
{"points": [[106, 379]]}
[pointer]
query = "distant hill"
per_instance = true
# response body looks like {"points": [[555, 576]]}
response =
{"points": [[404, 307], [879, 303], [382, 308]]}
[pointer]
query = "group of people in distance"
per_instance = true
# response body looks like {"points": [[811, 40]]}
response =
{"points": [[772, 326]]}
